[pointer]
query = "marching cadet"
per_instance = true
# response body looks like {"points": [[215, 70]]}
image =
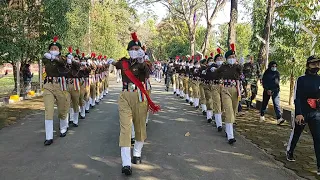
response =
{"points": [[176, 76], [190, 81], [55, 89], [230, 93], [74, 87], [252, 73], [186, 79], [93, 84], [196, 72], [306, 101], [85, 87], [132, 103], [216, 91], [208, 79], [98, 79], [201, 86], [170, 76], [106, 76]]}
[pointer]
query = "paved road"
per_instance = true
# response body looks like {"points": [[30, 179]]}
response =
{"points": [[91, 151]]}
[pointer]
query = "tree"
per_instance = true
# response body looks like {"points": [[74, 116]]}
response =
{"points": [[218, 5], [233, 22]]}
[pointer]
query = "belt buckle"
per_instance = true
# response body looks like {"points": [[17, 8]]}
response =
{"points": [[131, 86]]}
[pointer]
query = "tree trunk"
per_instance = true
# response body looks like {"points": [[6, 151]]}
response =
{"points": [[266, 33], [192, 42], [233, 22], [292, 82], [206, 38]]}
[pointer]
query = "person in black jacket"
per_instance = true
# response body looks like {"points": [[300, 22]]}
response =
{"points": [[307, 106], [27, 76], [270, 83]]}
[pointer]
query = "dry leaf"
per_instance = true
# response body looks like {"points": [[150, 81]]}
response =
{"points": [[169, 154], [187, 134]]}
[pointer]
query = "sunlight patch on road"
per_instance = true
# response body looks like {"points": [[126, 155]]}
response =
{"points": [[182, 120], [107, 162], [147, 167], [191, 160], [206, 168], [148, 178], [244, 156], [156, 121], [79, 166]]}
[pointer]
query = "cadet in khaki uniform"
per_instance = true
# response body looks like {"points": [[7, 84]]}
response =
{"points": [[132, 103], [98, 80], [207, 86], [175, 79], [201, 86], [230, 74], [186, 80], [106, 76], [93, 84], [85, 87], [195, 79], [74, 87], [55, 90], [182, 73]]}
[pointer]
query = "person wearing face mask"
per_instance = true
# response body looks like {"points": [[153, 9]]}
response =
{"points": [[186, 86], [73, 85], [230, 91], [85, 87], [177, 68], [195, 75], [182, 73], [271, 86], [306, 100], [216, 91], [93, 83], [252, 74], [209, 83], [193, 85], [106, 76], [174, 75], [203, 64], [133, 102], [169, 75], [55, 90], [98, 80]]}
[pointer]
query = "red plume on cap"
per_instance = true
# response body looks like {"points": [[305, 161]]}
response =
{"points": [[211, 54], [134, 37], [70, 49], [82, 54], [192, 57], [93, 55], [219, 50], [206, 57], [188, 58], [78, 51], [177, 57], [104, 57], [198, 58], [55, 39], [233, 47]]}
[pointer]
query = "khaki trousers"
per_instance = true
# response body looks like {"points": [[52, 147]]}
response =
{"points": [[52, 93], [208, 96], [229, 99], [195, 89], [131, 110], [174, 85], [213, 98], [106, 83], [98, 86], [185, 81], [190, 90], [84, 94], [177, 81], [202, 94], [93, 91], [75, 97]]}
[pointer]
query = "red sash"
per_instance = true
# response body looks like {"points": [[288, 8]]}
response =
{"points": [[151, 105]]}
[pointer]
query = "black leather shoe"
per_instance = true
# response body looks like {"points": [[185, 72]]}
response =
{"points": [[204, 113], [219, 129], [97, 103], [75, 125], [177, 94], [63, 134], [70, 122], [209, 120], [146, 124], [92, 106], [133, 141], [48, 142], [82, 117], [87, 111], [136, 160], [191, 103], [197, 107], [232, 141], [187, 100], [127, 170], [174, 92]]}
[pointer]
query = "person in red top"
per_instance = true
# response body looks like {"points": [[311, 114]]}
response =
{"points": [[133, 103]]}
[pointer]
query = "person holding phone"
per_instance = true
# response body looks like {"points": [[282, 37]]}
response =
{"points": [[307, 106], [270, 83]]}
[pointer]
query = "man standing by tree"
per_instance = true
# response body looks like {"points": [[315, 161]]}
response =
{"points": [[252, 73], [27, 76]]}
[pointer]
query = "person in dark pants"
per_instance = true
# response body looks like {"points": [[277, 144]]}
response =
{"points": [[307, 108], [270, 83], [27, 76]]}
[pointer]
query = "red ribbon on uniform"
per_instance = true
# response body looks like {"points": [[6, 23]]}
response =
{"points": [[151, 105]]}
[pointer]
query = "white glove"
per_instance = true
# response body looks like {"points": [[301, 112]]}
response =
{"points": [[83, 63], [110, 61], [140, 60], [213, 69], [204, 72], [49, 56], [69, 61], [89, 61]]}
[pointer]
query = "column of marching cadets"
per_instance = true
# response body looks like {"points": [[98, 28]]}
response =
{"points": [[212, 84], [75, 82]]}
